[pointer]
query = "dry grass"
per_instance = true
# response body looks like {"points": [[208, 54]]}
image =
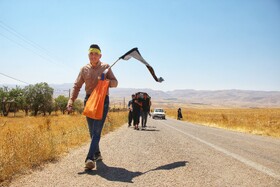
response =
{"points": [[264, 121], [28, 142]]}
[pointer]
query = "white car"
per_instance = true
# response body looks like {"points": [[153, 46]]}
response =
{"points": [[158, 113]]}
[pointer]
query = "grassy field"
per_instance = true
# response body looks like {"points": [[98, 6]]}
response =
{"points": [[265, 121], [28, 142]]}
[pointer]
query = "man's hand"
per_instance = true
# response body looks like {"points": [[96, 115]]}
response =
{"points": [[69, 108], [107, 66]]}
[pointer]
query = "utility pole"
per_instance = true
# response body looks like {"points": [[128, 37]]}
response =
{"points": [[123, 102]]}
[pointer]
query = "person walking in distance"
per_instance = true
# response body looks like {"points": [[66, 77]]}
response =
{"points": [[179, 114], [90, 74], [146, 104], [136, 107], [130, 115]]}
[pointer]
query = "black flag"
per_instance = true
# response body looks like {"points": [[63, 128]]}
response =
{"points": [[136, 54]]}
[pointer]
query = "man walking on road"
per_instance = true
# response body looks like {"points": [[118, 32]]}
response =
{"points": [[146, 105], [136, 107], [179, 114], [89, 74], [130, 113]]}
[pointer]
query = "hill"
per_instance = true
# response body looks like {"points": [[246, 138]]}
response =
{"points": [[186, 98], [192, 98]]}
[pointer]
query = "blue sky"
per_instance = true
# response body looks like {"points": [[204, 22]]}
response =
{"points": [[202, 45]]}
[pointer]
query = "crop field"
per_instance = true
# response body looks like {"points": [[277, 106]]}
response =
{"points": [[264, 121], [29, 142]]}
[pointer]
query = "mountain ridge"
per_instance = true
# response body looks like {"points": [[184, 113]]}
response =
{"points": [[187, 97], [199, 98]]}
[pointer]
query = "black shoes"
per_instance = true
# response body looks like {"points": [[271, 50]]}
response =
{"points": [[90, 164], [97, 156]]}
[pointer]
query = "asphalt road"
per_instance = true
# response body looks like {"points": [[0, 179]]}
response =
{"points": [[168, 153]]}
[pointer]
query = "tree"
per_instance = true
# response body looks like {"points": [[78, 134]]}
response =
{"points": [[49, 107], [17, 99], [38, 97], [61, 103], [78, 106], [4, 96]]}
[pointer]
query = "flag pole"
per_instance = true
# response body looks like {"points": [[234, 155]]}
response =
{"points": [[114, 63], [106, 70]]}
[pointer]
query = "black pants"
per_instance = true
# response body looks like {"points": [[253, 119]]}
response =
{"points": [[144, 116], [136, 116]]}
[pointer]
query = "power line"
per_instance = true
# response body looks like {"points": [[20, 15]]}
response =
{"points": [[14, 78], [36, 49], [12, 30], [27, 44], [26, 48]]}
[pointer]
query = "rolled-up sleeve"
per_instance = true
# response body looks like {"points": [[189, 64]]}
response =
{"points": [[77, 87]]}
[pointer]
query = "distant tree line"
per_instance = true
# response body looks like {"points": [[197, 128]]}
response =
{"points": [[33, 100]]}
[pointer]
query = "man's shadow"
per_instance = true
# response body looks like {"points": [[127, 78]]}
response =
{"points": [[149, 130], [122, 174]]}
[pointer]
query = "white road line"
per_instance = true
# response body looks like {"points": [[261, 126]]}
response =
{"points": [[250, 163]]}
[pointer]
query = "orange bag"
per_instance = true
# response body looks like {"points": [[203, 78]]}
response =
{"points": [[95, 103]]}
